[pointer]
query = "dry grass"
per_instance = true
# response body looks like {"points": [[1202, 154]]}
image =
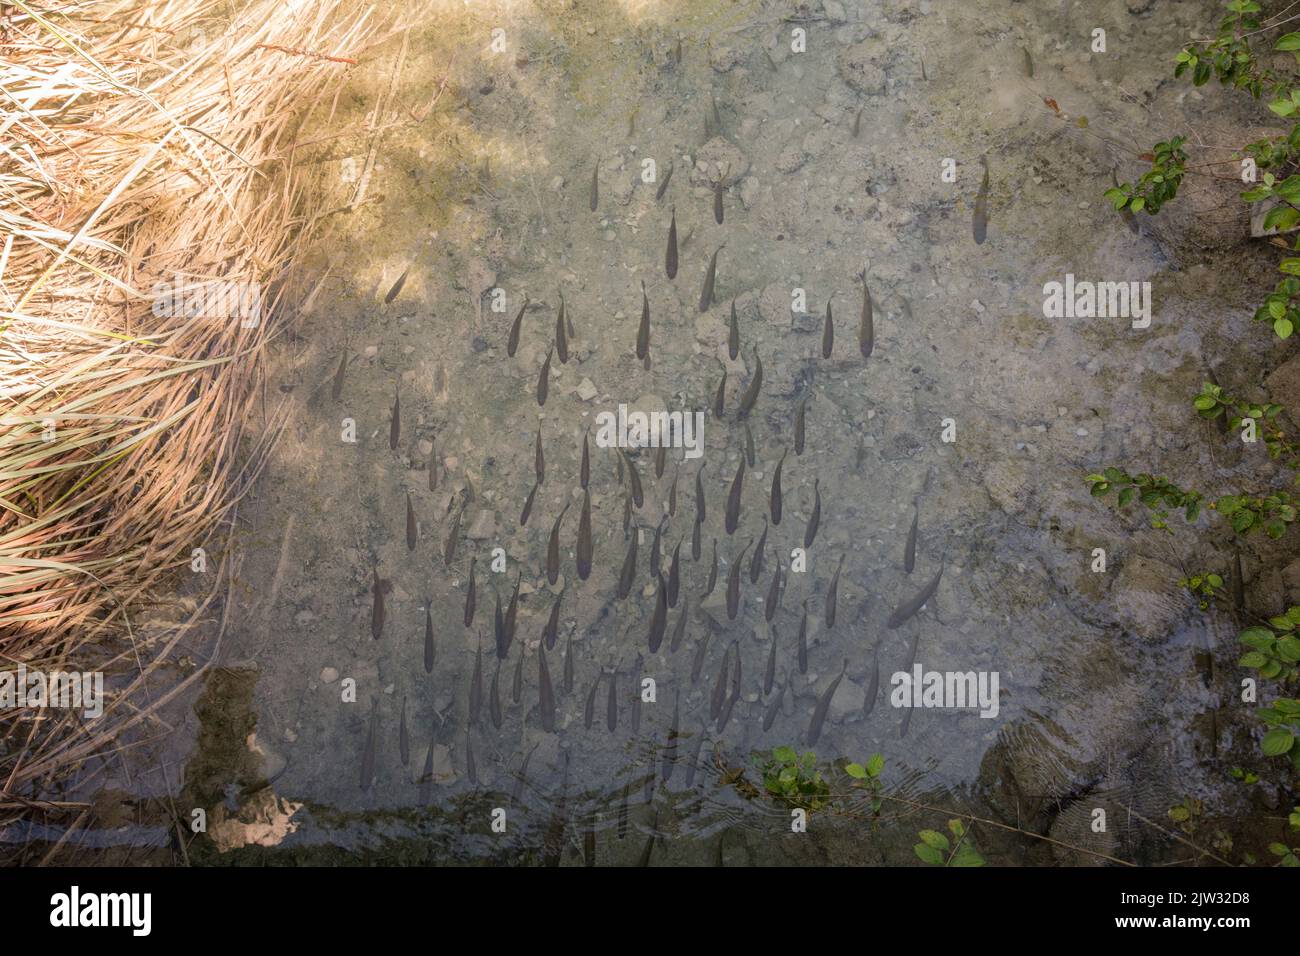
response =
{"points": [[143, 140]]}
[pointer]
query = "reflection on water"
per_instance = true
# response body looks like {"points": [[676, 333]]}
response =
{"points": [[951, 432]]}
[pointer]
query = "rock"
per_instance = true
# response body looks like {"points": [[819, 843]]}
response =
{"points": [[716, 158], [791, 158], [484, 526], [858, 66], [723, 59], [1283, 384], [848, 702], [834, 11], [1007, 482], [1291, 582], [748, 192], [586, 390], [329, 675], [1147, 598]]}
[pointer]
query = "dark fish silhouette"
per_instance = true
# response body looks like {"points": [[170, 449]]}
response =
{"points": [[693, 764], [717, 201], [670, 752], [873, 686], [395, 423], [628, 574], [397, 286], [494, 698], [867, 326], [634, 480], [909, 551], [699, 495], [661, 460], [755, 383], [655, 552], [368, 754], [908, 609], [426, 777], [589, 711], [553, 547], [522, 775], [733, 583], [803, 641], [412, 529], [774, 707], [823, 706], [980, 222], [697, 663], [720, 397], [706, 294], [775, 498], [611, 705], [643, 330], [636, 696], [551, 633], [750, 454], [769, 675], [857, 124], [528, 506], [433, 469], [568, 665], [733, 499], [512, 343], [713, 571], [663, 186], [499, 628], [539, 457], [659, 620], [674, 575], [430, 649], [471, 594], [832, 594], [720, 687], [595, 186], [546, 696], [670, 257], [377, 610], [584, 538], [584, 471], [672, 491], [517, 685], [799, 421], [756, 562], [733, 333], [679, 631], [815, 518], [773, 594], [561, 339], [544, 379], [471, 769], [476, 685], [695, 541], [336, 390], [512, 613], [734, 696], [828, 332]]}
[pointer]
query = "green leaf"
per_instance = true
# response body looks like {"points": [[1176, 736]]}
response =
{"points": [[1288, 649], [876, 764], [1287, 42], [935, 839], [928, 854], [1242, 520], [1126, 495], [1283, 328], [1280, 107], [1275, 743], [856, 771], [1214, 580], [1255, 659], [967, 856], [1179, 814], [783, 754], [1137, 204]]}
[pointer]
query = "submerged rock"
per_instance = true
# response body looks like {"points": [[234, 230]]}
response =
{"points": [[1147, 598]]}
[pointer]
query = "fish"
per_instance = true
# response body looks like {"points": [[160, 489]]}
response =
{"points": [[568, 665], [471, 594], [377, 610], [699, 495], [430, 649], [634, 480], [713, 571], [980, 222], [494, 698], [733, 333], [857, 123], [636, 696], [618, 460], [823, 706], [412, 529], [720, 396], [528, 506], [499, 628], [561, 338], [655, 567], [867, 325], [476, 685], [512, 343], [659, 620], [672, 491], [677, 52], [595, 186], [717, 202], [800, 420], [733, 498], [584, 538], [453, 538], [551, 633], [368, 754], [828, 332], [611, 705], [769, 675], [775, 497], [815, 518], [906, 610], [517, 685], [755, 383], [832, 594], [426, 777], [674, 575], [643, 330], [873, 685], [773, 707], [395, 423], [803, 641], [670, 257], [336, 390], [706, 294], [544, 379], [756, 562], [522, 775], [545, 695], [773, 595], [719, 687], [661, 459], [670, 752], [584, 471], [1029, 62], [750, 454], [735, 691], [539, 457], [733, 583], [628, 574], [909, 550], [644, 859], [553, 547], [471, 770], [693, 764], [396, 287], [512, 613], [663, 186], [697, 663], [622, 812], [433, 469], [695, 541], [679, 631], [717, 117], [589, 711], [921, 59]]}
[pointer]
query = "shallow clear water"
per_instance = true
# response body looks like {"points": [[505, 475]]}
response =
{"points": [[491, 190]]}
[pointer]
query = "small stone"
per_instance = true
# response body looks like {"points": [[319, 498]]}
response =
{"points": [[484, 526], [328, 675], [586, 390]]}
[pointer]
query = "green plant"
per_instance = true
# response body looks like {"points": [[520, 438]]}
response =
{"points": [[1290, 855], [1283, 721], [1275, 648], [937, 850], [794, 780], [868, 777]]}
